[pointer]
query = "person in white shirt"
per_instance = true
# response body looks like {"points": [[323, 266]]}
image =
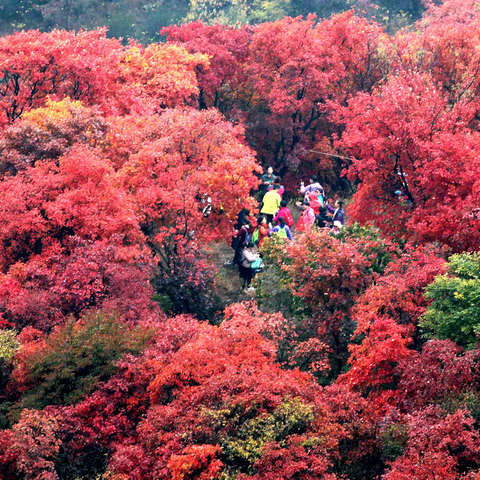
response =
{"points": [[245, 268]]}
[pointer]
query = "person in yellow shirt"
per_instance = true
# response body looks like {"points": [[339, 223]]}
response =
{"points": [[271, 203]]}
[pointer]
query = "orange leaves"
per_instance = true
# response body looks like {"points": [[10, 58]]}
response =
{"points": [[162, 73], [196, 462]]}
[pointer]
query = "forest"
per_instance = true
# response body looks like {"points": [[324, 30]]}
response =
{"points": [[127, 348]]}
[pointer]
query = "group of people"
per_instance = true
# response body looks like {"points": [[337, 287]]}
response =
{"points": [[276, 220]]}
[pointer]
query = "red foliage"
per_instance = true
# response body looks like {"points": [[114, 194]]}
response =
{"points": [[439, 372], [298, 68], [157, 77], [437, 444], [35, 444], [59, 64], [197, 152], [417, 134], [327, 273], [227, 48], [104, 160], [88, 66], [387, 315]]}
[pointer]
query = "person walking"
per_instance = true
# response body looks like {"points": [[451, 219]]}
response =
{"points": [[322, 219], [267, 180], [242, 237], [277, 181], [316, 200], [271, 203], [262, 229]]}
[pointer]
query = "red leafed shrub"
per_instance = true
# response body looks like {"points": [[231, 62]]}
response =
{"points": [[325, 275], [406, 137]]}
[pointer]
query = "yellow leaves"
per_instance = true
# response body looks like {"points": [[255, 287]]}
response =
{"points": [[54, 113]]}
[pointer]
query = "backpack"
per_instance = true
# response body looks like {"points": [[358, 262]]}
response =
{"points": [[255, 236], [248, 239], [281, 232], [257, 265], [289, 218]]}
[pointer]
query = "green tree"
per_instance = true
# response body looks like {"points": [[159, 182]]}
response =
{"points": [[231, 12], [455, 310], [68, 364]]}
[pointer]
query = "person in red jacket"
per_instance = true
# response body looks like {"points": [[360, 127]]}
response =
{"points": [[307, 218], [285, 213]]}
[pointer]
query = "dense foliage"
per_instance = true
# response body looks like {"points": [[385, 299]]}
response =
{"points": [[358, 356]]}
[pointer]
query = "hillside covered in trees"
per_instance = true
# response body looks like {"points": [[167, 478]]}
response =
{"points": [[121, 356], [143, 20]]}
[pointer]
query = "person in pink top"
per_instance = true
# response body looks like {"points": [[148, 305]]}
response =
{"points": [[285, 213], [307, 218], [277, 181]]}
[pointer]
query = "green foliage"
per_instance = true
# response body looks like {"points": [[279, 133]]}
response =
{"points": [[76, 357], [8, 346], [455, 310], [469, 400], [144, 20], [273, 293], [394, 440], [231, 12], [380, 254]]}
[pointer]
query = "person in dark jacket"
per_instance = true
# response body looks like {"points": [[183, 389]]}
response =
{"points": [[322, 220], [267, 180]]}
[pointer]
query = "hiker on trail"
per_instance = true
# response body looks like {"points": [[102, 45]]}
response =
{"points": [[271, 203], [322, 219], [241, 238], [245, 266], [312, 187], [307, 218], [337, 212], [285, 213], [261, 232], [267, 180], [282, 230], [277, 181]]}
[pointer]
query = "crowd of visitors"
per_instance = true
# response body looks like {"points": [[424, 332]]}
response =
{"points": [[276, 220]]}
